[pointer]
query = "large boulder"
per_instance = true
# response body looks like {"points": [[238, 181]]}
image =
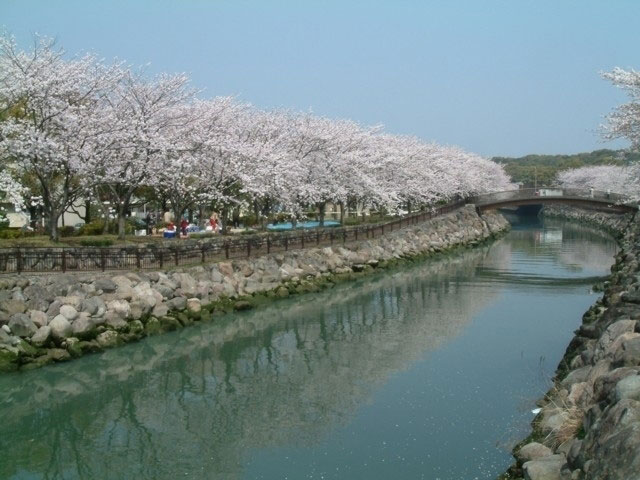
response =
{"points": [[83, 325], [178, 303], [138, 309], [21, 325], [122, 282], [42, 336], [187, 283], [37, 291], [105, 284], [144, 293], [160, 310], [576, 376], [54, 309], [194, 305], [216, 276], [115, 321], [38, 297], [545, 468], [108, 339], [628, 387], [119, 307], [614, 444], [532, 451], [39, 318], [94, 306], [11, 306], [226, 269], [60, 327], [628, 354], [73, 300], [605, 384], [6, 338], [68, 312]]}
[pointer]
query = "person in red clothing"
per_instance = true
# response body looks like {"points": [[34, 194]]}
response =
{"points": [[183, 226]]}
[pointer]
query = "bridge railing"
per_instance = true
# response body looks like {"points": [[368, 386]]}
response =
{"points": [[551, 192]]}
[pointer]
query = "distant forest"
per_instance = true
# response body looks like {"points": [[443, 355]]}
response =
{"points": [[526, 169]]}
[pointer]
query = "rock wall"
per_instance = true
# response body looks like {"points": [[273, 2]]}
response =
{"points": [[589, 424], [46, 319]]}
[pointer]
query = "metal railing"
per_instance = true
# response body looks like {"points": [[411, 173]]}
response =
{"points": [[78, 259]]}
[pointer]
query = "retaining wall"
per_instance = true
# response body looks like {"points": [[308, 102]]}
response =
{"points": [[61, 316], [588, 427]]}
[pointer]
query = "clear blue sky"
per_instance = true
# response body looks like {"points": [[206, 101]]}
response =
{"points": [[498, 77]]}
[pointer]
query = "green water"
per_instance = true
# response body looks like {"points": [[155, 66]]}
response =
{"points": [[429, 371]]}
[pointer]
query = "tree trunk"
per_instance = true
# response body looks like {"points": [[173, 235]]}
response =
{"points": [[121, 226], [256, 211], [201, 220], [177, 214], [236, 217], [53, 227], [105, 227], [33, 217], [341, 212], [224, 220], [321, 207], [87, 211]]}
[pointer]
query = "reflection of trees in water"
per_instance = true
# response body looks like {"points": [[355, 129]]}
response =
{"points": [[198, 400], [203, 397]]}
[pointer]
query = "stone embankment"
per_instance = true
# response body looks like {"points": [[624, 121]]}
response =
{"points": [[589, 424], [58, 317]]}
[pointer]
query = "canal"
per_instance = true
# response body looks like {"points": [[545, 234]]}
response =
{"points": [[428, 371]]}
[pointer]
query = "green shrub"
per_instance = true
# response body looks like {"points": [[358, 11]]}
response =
{"points": [[350, 221], [10, 233], [92, 228], [281, 218], [96, 242], [134, 223], [248, 220], [67, 231], [200, 235]]}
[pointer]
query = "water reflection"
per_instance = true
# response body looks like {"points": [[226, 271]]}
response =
{"points": [[200, 402]]}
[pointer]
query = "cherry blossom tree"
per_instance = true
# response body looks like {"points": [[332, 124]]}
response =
{"points": [[624, 180], [55, 121], [145, 114], [624, 121], [79, 126], [12, 192]]}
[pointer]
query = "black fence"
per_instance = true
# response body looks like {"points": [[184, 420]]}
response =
{"points": [[78, 259]]}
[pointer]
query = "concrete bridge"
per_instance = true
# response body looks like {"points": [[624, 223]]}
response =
{"points": [[593, 199]]}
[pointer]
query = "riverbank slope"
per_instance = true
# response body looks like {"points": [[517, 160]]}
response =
{"points": [[588, 426], [53, 318]]}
